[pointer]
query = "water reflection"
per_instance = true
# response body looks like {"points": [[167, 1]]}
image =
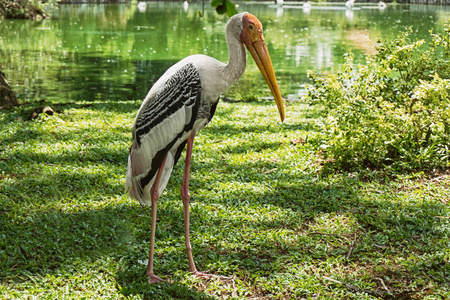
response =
{"points": [[117, 51]]}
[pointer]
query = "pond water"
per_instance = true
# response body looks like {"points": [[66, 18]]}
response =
{"points": [[116, 51]]}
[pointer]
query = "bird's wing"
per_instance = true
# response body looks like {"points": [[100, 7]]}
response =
{"points": [[163, 123]]}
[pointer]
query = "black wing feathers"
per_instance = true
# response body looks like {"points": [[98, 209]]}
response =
{"points": [[181, 89]]}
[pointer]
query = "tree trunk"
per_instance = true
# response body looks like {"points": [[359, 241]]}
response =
{"points": [[7, 96]]}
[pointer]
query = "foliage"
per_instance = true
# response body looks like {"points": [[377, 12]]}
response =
{"points": [[394, 111], [261, 213], [24, 9], [224, 6]]}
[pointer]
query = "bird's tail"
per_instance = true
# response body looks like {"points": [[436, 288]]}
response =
{"points": [[130, 187], [132, 184], [136, 170]]}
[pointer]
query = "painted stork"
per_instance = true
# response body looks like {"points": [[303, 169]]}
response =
{"points": [[177, 107]]}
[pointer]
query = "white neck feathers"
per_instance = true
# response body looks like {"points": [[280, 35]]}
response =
{"points": [[237, 54]]}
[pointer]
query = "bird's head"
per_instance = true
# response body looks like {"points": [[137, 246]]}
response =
{"points": [[252, 37]]}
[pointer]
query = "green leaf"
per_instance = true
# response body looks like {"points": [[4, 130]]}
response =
{"points": [[224, 6], [230, 8], [215, 3], [220, 9]]}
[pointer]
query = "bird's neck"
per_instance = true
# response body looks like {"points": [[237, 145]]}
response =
{"points": [[237, 59]]}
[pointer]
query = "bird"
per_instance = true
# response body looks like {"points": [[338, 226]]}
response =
{"points": [[307, 7], [382, 5], [350, 3], [142, 6], [180, 103]]}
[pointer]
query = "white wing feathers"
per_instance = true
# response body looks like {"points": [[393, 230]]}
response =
{"points": [[164, 121]]}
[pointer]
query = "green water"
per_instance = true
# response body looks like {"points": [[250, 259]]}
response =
{"points": [[116, 51]]}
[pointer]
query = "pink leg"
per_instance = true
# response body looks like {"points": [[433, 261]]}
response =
{"points": [[152, 278], [185, 195]]}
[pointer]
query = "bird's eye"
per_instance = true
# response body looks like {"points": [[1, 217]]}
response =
{"points": [[251, 27]]}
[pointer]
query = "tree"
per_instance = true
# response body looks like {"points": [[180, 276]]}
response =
{"points": [[7, 96]]}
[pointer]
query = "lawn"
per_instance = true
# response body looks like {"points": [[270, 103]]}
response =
{"points": [[263, 213]]}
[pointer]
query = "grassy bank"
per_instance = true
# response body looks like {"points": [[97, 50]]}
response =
{"points": [[262, 214]]}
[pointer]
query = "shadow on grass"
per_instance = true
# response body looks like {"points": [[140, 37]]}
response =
{"points": [[79, 154], [324, 219], [42, 242], [173, 290], [259, 230], [310, 194], [123, 106], [61, 244]]}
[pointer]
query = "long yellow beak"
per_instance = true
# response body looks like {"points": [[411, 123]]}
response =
{"points": [[260, 54]]}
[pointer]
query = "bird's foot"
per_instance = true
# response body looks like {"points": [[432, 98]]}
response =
{"points": [[152, 279]]}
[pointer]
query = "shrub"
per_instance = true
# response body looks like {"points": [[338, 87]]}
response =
{"points": [[393, 111], [25, 9]]}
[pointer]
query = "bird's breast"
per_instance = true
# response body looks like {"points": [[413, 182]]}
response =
{"points": [[215, 80]]}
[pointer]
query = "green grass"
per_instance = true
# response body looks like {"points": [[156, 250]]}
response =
{"points": [[263, 213]]}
